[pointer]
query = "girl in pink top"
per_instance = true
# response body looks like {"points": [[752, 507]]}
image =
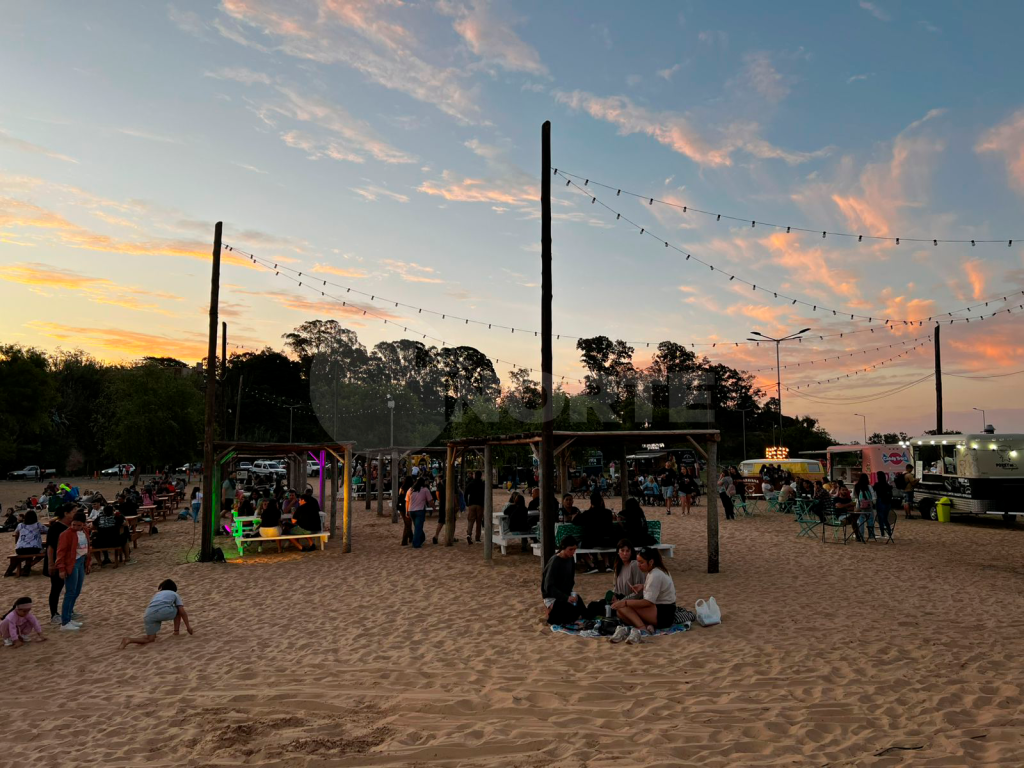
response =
{"points": [[19, 624]]}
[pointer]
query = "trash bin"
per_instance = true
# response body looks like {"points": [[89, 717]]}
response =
{"points": [[942, 509]]}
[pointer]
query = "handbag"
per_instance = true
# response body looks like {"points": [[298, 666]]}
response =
{"points": [[708, 613], [865, 503]]}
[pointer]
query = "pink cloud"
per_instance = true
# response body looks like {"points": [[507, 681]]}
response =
{"points": [[1007, 139]]}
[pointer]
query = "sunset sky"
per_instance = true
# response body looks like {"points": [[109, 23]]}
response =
{"points": [[394, 147]]}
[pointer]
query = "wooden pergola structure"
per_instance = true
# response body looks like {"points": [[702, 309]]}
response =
{"points": [[622, 440], [396, 454], [327, 455]]}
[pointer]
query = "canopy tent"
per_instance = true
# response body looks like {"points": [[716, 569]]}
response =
{"points": [[622, 440], [324, 454]]}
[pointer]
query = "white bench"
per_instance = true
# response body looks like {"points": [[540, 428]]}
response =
{"points": [[241, 541], [653, 527], [502, 536]]}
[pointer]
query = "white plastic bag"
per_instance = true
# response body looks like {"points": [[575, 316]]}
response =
{"points": [[708, 613]]}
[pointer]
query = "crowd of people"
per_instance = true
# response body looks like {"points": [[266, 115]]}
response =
{"points": [[279, 510]]}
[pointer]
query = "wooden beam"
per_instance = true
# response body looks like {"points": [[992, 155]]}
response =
{"points": [[488, 507], [346, 509], [209, 513], [712, 497], [449, 498], [564, 445], [699, 449], [334, 494], [396, 484]]}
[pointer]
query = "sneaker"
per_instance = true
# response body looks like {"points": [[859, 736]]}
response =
{"points": [[635, 638], [621, 633], [55, 619], [78, 624], [594, 570], [76, 615], [69, 627]]}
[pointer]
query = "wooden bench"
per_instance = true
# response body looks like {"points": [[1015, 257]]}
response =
{"points": [[21, 564], [241, 541], [565, 529], [118, 554]]}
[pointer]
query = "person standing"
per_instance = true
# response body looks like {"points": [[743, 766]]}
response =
{"points": [[865, 506], [442, 510], [883, 503], [57, 527], [227, 492], [726, 490], [417, 501], [403, 509], [475, 490], [668, 485], [909, 484], [73, 563]]}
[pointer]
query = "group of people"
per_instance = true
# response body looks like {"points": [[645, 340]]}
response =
{"points": [[281, 511], [642, 598], [669, 485], [416, 497]]}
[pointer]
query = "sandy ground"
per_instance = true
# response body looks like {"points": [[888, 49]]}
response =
{"points": [[906, 654]]}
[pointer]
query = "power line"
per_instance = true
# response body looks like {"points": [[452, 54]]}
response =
{"points": [[854, 401], [992, 376], [838, 357], [859, 371], [836, 312], [824, 232]]}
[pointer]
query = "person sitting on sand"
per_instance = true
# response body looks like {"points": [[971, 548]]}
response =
{"points": [[629, 581], [563, 605], [656, 609], [18, 626], [165, 606]]}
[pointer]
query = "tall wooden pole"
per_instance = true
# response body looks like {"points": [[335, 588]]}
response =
{"points": [[380, 484], [333, 467], [488, 506], [346, 509], [938, 382], [224, 374], [208, 512], [238, 406], [449, 496], [712, 497], [547, 474], [395, 484], [624, 477]]}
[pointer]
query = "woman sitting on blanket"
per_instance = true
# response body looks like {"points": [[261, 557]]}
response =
{"points": [[656, 609], [629, 581], [557, 585]]}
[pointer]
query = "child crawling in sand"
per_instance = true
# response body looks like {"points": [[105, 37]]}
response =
{"points": [[165, 606]]}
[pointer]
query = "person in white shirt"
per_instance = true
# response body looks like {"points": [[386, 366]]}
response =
{"points": [[656, 609], [768, 490]]}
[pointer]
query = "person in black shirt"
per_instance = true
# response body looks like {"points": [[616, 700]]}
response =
{"points": [[534, 500], [568, 511], [883, 503], [597, 531], [57, 527], [563, 605], [306, 519], [442, 511], [668, 485], [475, 490]]}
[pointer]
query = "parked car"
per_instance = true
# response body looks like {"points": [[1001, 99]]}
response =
{"points": [[32, 472], [118, 470], [266, 469], [312, 468], [193, 467], [245, 466]]}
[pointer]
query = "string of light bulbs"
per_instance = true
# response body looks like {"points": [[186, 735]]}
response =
{"points": [[866, 369], [319, 282], [825, 232], [815, 307], [838, 357]]}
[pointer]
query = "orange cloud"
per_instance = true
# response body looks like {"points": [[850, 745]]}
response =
{"points": [[412, 272], [323, 306], [991, 344], [98, 289], [975, 275], [126, 344], [327, 269], [467, 190], [28, 146], [809, 266]]}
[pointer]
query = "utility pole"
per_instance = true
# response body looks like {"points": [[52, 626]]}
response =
{"points": [[206, 548], [224, 373], [238, 405], [744, 412], [291, 416], [547, 437], [778, 365], [938, 382]]}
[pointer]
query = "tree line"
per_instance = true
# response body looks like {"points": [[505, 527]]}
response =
{"points": [[70, 411]]}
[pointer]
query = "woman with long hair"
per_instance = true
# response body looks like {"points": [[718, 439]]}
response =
{"points": [[400, 505], [864, 501], [629, 581], [418, 500], [634, 523], [883, 503], [29, 533], [656, 609]]}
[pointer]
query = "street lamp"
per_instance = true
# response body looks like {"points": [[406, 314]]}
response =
{"points": [[744, 412], [865, 418], [291, 415], [983, 422], [391, 407], [778, 364]]}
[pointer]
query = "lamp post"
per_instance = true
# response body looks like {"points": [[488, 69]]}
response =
{"points": [[778, 365], [744, 412], [291, 414], [391, 407], [983, 422], [865, 418]]}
